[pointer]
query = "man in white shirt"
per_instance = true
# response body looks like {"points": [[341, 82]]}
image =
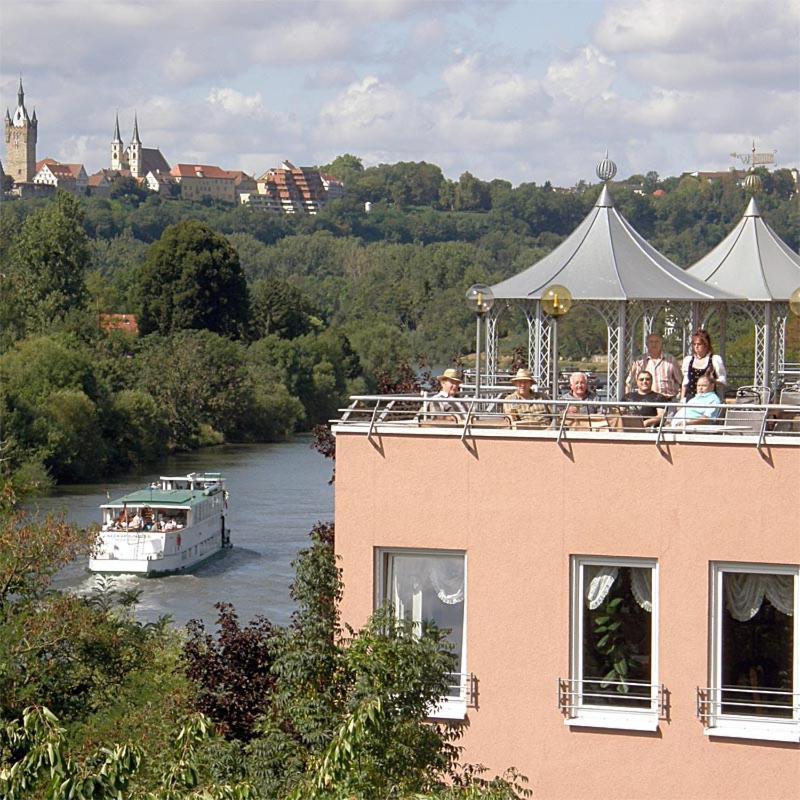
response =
{"points": [[667, 375]]}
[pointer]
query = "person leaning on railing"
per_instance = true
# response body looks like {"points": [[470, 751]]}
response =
{"points": [[700, 409], [528, 414]]}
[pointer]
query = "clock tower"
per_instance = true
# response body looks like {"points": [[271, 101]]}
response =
{"points": [[21, 131]]}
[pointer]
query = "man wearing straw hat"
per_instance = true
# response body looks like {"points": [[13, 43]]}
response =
{"points": [[534, 415], [450, 383]]}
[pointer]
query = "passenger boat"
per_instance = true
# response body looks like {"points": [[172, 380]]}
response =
{"points": [[170, 526]]}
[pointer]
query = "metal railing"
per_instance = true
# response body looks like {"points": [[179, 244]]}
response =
{"points": [[462, 686], [562, 419], [593, 694], [750, 704]]}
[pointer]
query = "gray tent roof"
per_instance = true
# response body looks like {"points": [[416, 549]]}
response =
{"points": [[751, 261], [606, 259]]}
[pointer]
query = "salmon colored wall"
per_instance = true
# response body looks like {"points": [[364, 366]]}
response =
{"points": [[520, 508]]}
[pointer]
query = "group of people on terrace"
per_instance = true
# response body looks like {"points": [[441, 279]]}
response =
{"points": [[654, 380]]}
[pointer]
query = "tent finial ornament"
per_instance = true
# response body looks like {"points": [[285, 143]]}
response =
{"points": [[606, 169], [752, 183]]}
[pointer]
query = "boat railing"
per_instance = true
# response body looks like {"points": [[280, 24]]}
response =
{"points": [[494, 415]]}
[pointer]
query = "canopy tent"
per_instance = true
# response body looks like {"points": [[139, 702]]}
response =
{"points": [[755, 262], [608, 266]]}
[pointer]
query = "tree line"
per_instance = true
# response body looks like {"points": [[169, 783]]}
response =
{"points": [[253, 325]]}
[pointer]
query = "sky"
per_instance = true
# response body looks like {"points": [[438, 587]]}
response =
{"points": [[524, 90]]}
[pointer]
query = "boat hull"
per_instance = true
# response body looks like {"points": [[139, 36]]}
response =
{"points": [[154, 553]]}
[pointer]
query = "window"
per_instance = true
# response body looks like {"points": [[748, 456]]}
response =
{"points": [[430, 586], [613, 680], [754, 653]]}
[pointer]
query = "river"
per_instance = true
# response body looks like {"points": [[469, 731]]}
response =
{"points": [[277, 493]]}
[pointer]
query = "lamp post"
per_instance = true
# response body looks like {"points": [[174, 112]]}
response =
{"points": [[480, 299], [556, 301]]}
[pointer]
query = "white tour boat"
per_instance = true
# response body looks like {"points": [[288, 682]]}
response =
{"points": [[170, 526]]}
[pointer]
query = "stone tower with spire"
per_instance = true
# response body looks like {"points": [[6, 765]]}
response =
{"points": [[135, 151], [21, 132], [119, 157]]}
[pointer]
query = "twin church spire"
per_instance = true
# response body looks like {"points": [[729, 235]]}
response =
{"points": [[129, 157]]}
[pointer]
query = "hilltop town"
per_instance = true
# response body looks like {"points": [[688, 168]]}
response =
{"points": [[285, 189]]}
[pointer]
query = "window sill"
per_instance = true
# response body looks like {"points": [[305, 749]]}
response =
{"points": [[619, 720], [449, 708], [756, 729]]}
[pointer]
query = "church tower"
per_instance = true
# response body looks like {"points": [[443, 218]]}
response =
{"points": [[119, 159], [21, 131], [135, 151]]}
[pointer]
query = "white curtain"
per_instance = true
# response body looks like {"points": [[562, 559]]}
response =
{"points": [[600, 579], [447, 578], [444, 575], [745, 592]]}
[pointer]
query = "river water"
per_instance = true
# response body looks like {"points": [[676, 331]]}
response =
{"points": [[277, 493]]}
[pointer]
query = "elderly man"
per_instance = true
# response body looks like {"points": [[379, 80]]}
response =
{"points": [[667, 375], [579, 390], [529, 414], [450, 386]]}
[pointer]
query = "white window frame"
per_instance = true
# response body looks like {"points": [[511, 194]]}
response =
{"points": [[718, 724], [580, 715], [448, 707]]}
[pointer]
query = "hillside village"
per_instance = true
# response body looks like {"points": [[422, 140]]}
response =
{"points": [[285, 189]]}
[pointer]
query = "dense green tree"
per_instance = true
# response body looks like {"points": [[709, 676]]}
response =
{"points": [[54, 407], [192, 279], [279, 308], [471, 194], [45, 274], [346, 168], [197, 378]]}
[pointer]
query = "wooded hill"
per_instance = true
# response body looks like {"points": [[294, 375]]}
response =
{"points": [[254, 324]]}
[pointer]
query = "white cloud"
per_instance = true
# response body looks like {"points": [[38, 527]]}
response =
{"points": [[236, 103], [586, 76]]}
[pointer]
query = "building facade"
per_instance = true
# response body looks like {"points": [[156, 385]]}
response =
{"points": [[295, 190], [624, 614], [70, 178], [21, 132]]}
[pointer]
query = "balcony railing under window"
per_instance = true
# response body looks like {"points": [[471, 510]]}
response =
{"points": [[609, 704]]}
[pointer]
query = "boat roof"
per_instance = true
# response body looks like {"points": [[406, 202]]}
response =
{"points": [[162, 498]]}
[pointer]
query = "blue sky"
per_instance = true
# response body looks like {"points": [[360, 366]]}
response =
{"points": [[521, 90]]}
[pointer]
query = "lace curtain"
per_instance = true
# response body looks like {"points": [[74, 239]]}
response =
{"points": [[443, 574], [745, 592], [600, 579]]}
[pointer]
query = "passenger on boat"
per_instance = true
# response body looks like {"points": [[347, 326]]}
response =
{"points": [[533, 414], [667, 376], [699, 410], [450, 383], [579, 390], [135, 523], [649, 400], [702, 361], [170, 525]]}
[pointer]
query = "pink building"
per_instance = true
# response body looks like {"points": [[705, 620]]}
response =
{"points": [[624, 606]]}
